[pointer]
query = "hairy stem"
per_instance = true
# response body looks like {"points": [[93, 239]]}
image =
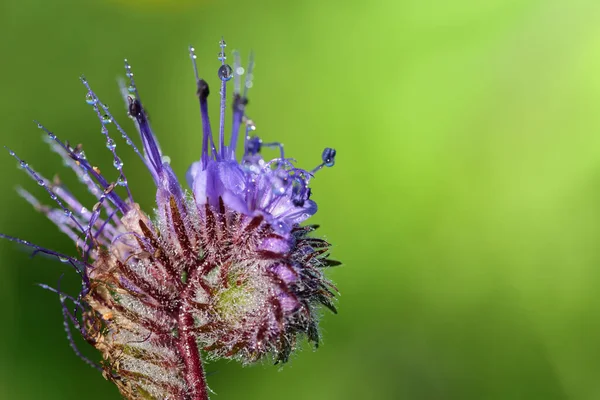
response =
{"points": [[194, 372]]}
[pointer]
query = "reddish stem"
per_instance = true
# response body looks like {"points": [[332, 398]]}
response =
{"points": [[194, 373]]}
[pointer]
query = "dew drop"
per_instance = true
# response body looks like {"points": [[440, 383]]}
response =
{"points": [[117, 163], [131, 89], [63, 260], [23, 164], [40, 182], [68, 213], [83, 210], [40, 126], [225, 72], [106, 119], [166, 159], [122, 181], [90, 99], [12, 153], [278, 189], [110, 144]]}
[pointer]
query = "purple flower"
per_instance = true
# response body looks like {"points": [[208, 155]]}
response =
{"points": [[224, 268]]}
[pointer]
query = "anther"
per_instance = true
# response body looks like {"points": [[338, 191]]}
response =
{"points": [[253, 145], [328, 157], [135, 108], [203, 90]]}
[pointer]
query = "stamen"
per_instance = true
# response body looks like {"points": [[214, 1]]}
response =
{"points": [[79, 159], [43, 182], [108, 118], [239, 103], [136, 110], [111, 145], [249, 75], [250, 127], [93, 218], [278, 145], [328, 158], [66, 316], [203, 92], [225, 73], [238, 71], [79, 265], [254, 144]]}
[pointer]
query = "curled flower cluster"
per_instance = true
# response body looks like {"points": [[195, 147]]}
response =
{"points": [[224, 268]]}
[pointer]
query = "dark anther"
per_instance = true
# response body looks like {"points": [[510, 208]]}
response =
{"points": [[135, 108], [253, 145], [239, 102], [300, 192], [298, 202], [328, 157], [203, 90]]}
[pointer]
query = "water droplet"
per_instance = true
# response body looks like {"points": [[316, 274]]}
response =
{"points": [[110, 144], [117, 163], [52, 136], [23, 164], [53, 196], [12, 153], [128, 141], [131, 89], [68, 213], [106, 119], [63, 260], [122, 181], [278, 188], [40, 182], [166, 159], [40, 126], [225, 72], [90, 99]]}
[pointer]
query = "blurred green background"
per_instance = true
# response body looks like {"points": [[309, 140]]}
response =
{"points": [[465, 202]]}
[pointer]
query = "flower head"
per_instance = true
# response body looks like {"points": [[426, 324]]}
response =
{"points": [[224, 267]]}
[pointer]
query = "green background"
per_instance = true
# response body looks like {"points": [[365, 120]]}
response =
{"points": [[465, 202]]}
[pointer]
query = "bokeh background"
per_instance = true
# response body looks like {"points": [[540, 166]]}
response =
{"points": [[465, 202]]}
